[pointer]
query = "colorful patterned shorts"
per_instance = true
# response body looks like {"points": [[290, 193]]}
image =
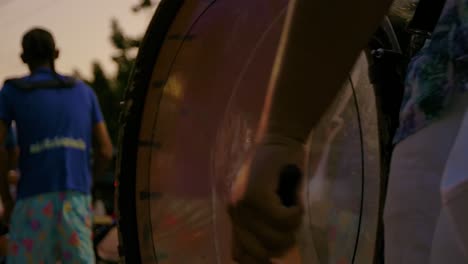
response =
{"points": [[51, 227]]}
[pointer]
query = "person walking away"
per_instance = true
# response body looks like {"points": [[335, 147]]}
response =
{"points": [[59, 123]]}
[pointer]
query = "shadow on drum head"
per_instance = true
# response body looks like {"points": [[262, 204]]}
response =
{"points": [[194, 120]]}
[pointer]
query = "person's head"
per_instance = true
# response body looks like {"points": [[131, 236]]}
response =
{"points": [[39, 49]]}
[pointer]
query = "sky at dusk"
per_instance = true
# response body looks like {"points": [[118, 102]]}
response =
{"points": [[81, 29]]}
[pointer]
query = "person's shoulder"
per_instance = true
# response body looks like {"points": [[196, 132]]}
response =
{"points": [[16, 77], [85, 89], [79, 83], [9, 81], [12, 82], [83, 86], [68, 80]]}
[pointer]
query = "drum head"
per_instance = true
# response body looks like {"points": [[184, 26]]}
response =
{"points": [[191, 112]]}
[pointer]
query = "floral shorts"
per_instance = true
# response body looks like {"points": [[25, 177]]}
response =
{"points": [[52, 227]]}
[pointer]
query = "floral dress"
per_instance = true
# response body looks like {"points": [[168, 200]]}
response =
{"points": [[437, 72]]}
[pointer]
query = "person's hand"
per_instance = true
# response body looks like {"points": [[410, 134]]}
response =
{"points": [[264, 216]]}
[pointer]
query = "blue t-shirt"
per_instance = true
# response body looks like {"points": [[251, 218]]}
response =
{"points": [[54, 131]]}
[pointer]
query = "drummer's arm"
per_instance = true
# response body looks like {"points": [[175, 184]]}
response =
{"points": [[321, 42], [103, 149]]}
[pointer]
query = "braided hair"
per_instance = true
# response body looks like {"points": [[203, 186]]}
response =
{"points": [[38, 47]]}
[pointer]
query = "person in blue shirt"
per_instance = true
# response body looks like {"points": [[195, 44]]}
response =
{"points": [[59, 124]]}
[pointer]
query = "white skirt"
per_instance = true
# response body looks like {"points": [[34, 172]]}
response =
{"points": [[450, 243], [413, 202]]}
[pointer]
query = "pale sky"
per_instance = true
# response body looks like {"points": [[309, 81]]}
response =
{"points": [[81, 29]]}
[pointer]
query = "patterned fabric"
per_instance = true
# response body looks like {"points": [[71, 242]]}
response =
{"points": [[437, 72], [51, 227]]}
